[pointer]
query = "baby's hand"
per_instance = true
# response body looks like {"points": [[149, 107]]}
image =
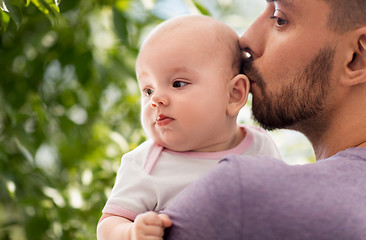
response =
{"points": [[150, 225]]}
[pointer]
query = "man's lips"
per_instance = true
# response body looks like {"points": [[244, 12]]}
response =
{"points": [[163, 120]]}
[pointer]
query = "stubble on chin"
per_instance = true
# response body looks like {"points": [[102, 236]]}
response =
{"points": [[302, 100]]}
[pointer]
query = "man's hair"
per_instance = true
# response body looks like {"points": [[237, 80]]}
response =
{"points": [[346, 15]]}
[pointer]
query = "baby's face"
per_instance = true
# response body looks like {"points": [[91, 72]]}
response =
{"points": [[184, 85]]}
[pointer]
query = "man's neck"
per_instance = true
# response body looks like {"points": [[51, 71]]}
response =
{"points": [[362, 145], [337, 138]]}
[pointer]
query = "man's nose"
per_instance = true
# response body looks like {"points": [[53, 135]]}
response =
{"points": [[254, 39], [159, 99]]}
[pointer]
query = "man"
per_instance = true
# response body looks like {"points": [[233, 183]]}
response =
{"points": [[308, 73]]}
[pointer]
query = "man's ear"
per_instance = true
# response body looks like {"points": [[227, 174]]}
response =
{"points": [[356, 65], [239, 90]]}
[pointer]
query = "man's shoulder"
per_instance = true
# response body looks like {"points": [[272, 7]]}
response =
{"points": [[302, 196], [252, 164], [259, 164], [264, 198]]}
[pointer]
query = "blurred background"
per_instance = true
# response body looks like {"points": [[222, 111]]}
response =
{"points": [[69, 105]]}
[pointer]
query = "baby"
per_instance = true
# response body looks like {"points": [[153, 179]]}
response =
{"points": [[188, 71]]}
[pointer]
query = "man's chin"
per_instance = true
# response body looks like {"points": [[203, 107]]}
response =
{"points": [[269, 122]]}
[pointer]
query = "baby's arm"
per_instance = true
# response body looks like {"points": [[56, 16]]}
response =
{"points": [[149, 225]]}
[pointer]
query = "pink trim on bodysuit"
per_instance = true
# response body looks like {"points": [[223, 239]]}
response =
{"points": [[157, 150], [153, 157], [239, 149], [119, 211]]}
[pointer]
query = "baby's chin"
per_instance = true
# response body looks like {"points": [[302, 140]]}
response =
{"points": [[177, 147]]}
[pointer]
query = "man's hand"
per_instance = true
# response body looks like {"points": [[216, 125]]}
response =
{"points": [[150, 225]]}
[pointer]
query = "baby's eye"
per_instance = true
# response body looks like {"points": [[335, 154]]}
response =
{"points": [[179, 84], [148, 92]]}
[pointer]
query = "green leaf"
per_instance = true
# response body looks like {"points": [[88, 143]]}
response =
{"points": [[49, 8], [65, 6], [46, 6], [3, 6], [4, 21], [14, 12], [122, 5], [51, 5], [120, 24], [201, 8]]}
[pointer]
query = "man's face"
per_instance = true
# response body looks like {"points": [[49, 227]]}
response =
{"points": [[292, 63]]}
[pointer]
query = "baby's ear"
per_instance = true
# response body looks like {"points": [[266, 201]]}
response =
{"points": [[239, 90], [356, 65]]}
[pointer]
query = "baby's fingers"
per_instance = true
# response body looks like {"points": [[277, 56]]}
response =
{"points": [[149, 218], [165, 220], [148, 226]]}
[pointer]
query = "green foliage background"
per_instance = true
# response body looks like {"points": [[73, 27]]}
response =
{"points": [[69, 107]]}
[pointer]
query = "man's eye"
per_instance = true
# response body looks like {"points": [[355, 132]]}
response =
{"points": [[179, 84], [279, 21], [148, 91]]}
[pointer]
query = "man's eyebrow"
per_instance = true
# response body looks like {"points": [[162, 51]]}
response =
{"points": [[281, 1], [285, 3]]}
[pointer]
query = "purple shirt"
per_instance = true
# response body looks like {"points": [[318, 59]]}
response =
{"points": [[264, 198]]}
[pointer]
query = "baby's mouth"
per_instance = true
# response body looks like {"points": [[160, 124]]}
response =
{"points": [[163, 120]]}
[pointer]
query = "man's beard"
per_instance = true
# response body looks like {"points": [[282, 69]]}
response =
{"points": [[303, 99]]}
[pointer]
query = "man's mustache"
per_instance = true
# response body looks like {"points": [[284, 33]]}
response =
{"points": [[252, 72], [246, 65]]}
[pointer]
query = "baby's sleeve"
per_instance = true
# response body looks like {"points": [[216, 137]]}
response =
{"points": [[134, 191]]}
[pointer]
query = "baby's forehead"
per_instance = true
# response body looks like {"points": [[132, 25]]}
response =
{"points": [[200, 26], [197, 35], [193, 30]]}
